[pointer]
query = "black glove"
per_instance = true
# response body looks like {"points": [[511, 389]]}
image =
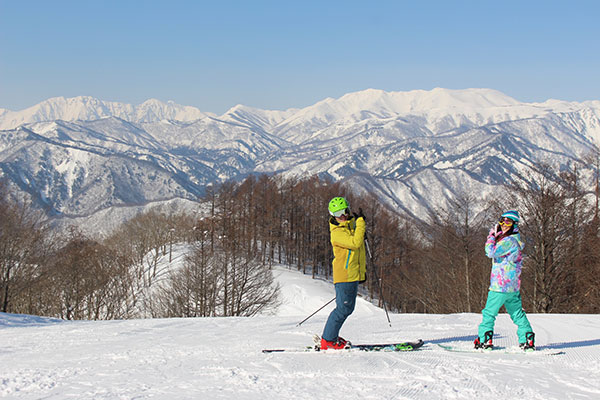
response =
{"points": [[360, 214]]}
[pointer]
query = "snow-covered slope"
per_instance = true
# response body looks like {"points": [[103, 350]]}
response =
{"points": [[221, 358], [76, 157]]}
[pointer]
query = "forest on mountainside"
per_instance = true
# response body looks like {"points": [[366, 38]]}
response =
{"points": [[242, 228]]}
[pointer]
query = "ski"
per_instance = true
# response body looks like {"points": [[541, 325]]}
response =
{"points": [[501, 350], [401, 346], [384, 347], [292, 350]]}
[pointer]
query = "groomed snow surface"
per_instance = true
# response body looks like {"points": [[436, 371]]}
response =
{"points": [[221, 358]]}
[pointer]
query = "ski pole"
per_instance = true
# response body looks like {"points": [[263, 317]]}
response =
{"points": [[377, 279], [305, 319]]}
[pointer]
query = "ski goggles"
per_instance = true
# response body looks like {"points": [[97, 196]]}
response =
{"points": [[339, 213], [506, 222]]}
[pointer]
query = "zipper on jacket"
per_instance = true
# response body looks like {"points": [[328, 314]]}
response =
{"points": [[348, 259]]}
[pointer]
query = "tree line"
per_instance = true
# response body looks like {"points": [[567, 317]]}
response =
{"points": [[229, 245]]}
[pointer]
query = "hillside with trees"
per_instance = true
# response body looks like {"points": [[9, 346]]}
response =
{"points": [[241, 229]]}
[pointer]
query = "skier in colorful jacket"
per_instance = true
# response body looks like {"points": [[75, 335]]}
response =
{"points": [[348, 242], [504, 246], [505, 250], [347, 233]]}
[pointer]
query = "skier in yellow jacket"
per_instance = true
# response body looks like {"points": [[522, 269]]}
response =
{"points": [[349, 267]]}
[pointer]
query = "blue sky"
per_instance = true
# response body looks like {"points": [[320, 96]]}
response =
{"points": [[283, 54]]}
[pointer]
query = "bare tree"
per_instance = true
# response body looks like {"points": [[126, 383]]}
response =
{"points": [[85, 280], [220, 279], [25, 242], [192, 290], [555, 214], [454, 269]]}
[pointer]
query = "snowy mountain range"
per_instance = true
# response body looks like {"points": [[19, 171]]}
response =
{"points": [[83, 158]]}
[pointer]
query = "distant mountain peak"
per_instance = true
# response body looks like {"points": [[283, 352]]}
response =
{"points": [[86, 108], [424, 100]]}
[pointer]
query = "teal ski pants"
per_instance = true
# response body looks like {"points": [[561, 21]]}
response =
{"points": [[514, 307]]}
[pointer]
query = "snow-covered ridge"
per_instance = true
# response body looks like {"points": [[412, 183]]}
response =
{"points": [[85, 108], [352, 105]]}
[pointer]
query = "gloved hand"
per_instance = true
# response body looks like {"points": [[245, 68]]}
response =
{"points": [[495, 231], [360, 215]]}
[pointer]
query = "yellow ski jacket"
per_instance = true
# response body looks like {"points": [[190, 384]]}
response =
{"points": [[349, 256]]}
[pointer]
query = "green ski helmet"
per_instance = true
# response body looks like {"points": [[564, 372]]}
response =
{"points": [[338, 206]]}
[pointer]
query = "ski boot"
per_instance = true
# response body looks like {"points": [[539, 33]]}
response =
{"points": [[487, 341], [529, 344], [338, 344]]}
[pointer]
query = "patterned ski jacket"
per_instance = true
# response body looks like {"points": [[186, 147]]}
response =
{"points": [[349, 256], [507, 262]]}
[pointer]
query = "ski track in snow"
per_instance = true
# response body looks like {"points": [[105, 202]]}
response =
{"points": [[221, 358]]}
